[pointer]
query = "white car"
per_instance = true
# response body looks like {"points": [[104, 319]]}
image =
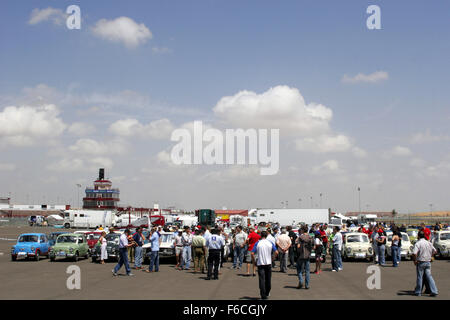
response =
{"points": [[356, 245], [166, 248], [442, 244], [407, 247]]}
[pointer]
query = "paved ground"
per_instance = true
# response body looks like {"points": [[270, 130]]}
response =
{"points": [[47, 280]]}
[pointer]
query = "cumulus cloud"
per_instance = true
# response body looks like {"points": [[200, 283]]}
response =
{"points": [[428, 137], [74, 164], [280, 107], [87, 146], [7, 166], [399, 151], [359, 153], [122, 30], [324, 144], [158, 129], [81, 129], [374, 77], [330, 166], [22, 126], [49, 14]]}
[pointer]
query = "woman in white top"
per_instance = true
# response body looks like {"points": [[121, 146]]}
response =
{"points": [[318, 247], [103, 242]]}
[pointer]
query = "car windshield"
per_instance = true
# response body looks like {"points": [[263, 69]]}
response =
{"points": [[167, 238], [405, 236], [445, 236], [53, 236], [28, 238], [357, 238], [412, 233], [66, 239], [93, 236], [112, 238]]}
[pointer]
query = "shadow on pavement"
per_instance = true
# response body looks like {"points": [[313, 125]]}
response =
{"points": [[290, 287], [250, 298], [405, 293]]}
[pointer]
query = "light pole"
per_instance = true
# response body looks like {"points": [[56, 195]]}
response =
{"points": [[321, 200], [300, 202], [359, 199], [286, 204], [312, 203], [282, 204]]}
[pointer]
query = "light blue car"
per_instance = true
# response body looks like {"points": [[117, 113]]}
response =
{"points": [[30, 245]]}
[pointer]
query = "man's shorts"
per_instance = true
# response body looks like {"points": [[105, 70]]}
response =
{"points": [[248, 257], [178, 250]]}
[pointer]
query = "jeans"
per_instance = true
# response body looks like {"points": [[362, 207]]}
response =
{"points": [[337, 258], [123, 259], [154, 260], [291, 256], [138, 257], [381, 254], [303, 266], [424, 268], [394, 253], [186, 257], [283, 260], [265, 280], [399, 255], [238, 254]]}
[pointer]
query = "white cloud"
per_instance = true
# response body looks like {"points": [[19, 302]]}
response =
{"points": [[359, 153], [122, 30], [74, 164], [21, 126], [87, 146], [7, 167], [400, 151], [374, 77], [428, 137], [52, 14], [232, 173], [330, 166], [280, 107], [81, 129], [158, 129], [417, 162], [324, 144], [161, 50]]}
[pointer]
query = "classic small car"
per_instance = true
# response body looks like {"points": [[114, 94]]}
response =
{"points": [[112, 248], [166, 248], [412, 233], [30, 245], [407, 247], [92, 239], [52, 237], [70, 245], [356, 245], [442, 244]]}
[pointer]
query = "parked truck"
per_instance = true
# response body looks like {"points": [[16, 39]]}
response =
{"points": [[206, 217], [291, 217], [90, 218]]}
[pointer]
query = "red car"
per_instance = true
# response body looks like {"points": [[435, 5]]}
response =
{"points": [[92, 238]]}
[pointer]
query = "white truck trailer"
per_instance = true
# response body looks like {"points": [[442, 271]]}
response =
{"points": [[291, 217], [90, 218]]}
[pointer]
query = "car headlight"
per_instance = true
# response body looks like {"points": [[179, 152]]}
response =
{"points": [[411, 248], [369, 250], [70, 250], [33, 248], [349, 250], [443, 246]]}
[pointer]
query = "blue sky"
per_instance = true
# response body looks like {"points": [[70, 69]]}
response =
{"points": [[212, 49]]}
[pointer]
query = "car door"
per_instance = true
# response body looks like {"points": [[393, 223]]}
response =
{"points": [[43, 244]]}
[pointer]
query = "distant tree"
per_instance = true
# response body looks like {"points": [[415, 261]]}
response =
{"points": [[394, 213]]}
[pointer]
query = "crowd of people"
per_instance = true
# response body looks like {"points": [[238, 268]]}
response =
{"points": [[257, 249]]}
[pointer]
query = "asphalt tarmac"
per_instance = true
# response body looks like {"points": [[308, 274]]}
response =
{"points": [[48, 280]]}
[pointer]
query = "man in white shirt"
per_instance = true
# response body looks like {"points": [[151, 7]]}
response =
{"points": [[123, 254], [186, 240], [337, 247], [264, 249]]}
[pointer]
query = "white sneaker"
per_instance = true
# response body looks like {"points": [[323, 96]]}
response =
{"points": [[340, 269], [333, 270]]}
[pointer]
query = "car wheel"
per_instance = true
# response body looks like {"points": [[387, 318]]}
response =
{"points": [[75, 258], [438, 255], [52, 258], [94, 259], [67, 225], [13, 258], [37, 257]]}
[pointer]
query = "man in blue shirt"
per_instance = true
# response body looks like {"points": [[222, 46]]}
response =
{"points": [[214, 243], [139, 238], [154, 256]]}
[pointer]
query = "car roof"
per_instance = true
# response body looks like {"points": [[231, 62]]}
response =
{"points": [[354, 233], [32, 234], [71, 234]]}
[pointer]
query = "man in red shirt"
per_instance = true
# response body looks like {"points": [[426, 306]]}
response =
{"points": [[252, 238], [426, 231], [323, 235]]}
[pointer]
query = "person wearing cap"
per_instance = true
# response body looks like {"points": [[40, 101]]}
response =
{"points": [[154, 255], [215, 243], [262, 251], [283, 243], [123, 254], [139, 239], [380, 240], [252, 238]]}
